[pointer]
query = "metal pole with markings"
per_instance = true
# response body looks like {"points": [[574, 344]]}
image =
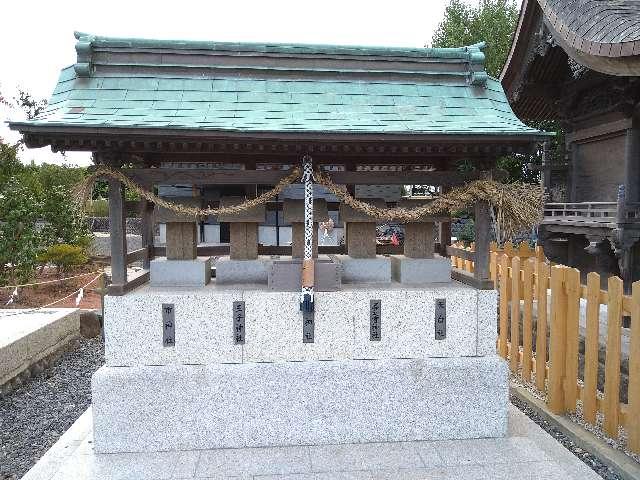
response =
{"points": [[306, 295]]}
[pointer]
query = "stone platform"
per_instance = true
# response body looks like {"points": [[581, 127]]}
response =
{"points": [[183, 407], [526, 452], [273, 324], [206, 389]]}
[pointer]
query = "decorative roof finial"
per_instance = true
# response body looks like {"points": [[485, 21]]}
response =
{"points": [[476, 59], [83, 66]]}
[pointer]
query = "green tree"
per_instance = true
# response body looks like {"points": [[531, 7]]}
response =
{"points": [[19, 239], [64, 220], [491, 21], [10, 165], [32, 107]]}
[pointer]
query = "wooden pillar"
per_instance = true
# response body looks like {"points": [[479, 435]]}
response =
{"points": [[444, 230], [361, 239], [419, 239], [243, 228], [118, 234], [146, 210], [243, 242], [182, 240], [632, 164], [482, 240], [545, 178], [293, 213], [361, 229], [444, 234], [575, 170], [297, 240]]}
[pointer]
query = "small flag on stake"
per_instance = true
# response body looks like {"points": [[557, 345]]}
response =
{"points": [[79, 297], [13, 297]]}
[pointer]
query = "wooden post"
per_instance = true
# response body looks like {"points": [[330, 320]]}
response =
{"points": [[504, 304], [118, 234], [591, 347], [514, 356], [633, 415], [611, 406], [527, 321], [482, 225], [493, 268], [572, 283], [541, 326], [146, 210], [557, 341]]}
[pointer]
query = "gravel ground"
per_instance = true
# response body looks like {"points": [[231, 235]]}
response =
{"points": [[36, 414], [592, 462]]}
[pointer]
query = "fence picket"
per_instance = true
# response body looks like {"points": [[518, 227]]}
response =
{"points": [[493, 268], [515, 314], [527, 320], [504, 304], [541, 325], [557, 341], [612, 363], [633, 413], [591, 347], [573, 288]]}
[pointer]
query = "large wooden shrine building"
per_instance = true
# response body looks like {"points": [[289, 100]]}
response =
{"points": [[577, 63], [241, 115]]}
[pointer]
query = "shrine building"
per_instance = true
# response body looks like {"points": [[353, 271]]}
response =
{"points": [[243, 343], [577, 64]]}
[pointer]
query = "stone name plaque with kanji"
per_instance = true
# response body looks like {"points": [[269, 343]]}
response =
{"points": [[441, 318], [168, 325], [238, 322], [375, 320]]}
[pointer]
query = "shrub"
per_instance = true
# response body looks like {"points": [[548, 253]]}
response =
{"points": [[98, 208], [64, 220], [468, 232], [63, 256]]}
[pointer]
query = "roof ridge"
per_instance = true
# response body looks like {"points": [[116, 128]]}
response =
{"points": [[472, 55], [461, 52]]}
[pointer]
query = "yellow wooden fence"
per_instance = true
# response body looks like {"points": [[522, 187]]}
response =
{"points": [[523, 276]]}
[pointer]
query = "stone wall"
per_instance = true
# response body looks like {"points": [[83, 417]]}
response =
{"points": [[101, 224], [101, 244]]}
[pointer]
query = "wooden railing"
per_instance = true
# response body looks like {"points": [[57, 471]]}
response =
{"points": [[589, 212], [549, 358], [594, 213]]}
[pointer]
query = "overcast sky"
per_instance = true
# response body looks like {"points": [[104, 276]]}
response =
{"points": [[36, 38]]}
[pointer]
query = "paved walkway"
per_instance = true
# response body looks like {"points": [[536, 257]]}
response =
{"points": [[527, 453]]}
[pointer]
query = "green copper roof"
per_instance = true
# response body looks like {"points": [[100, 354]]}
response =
{"points": [[278, 88]]}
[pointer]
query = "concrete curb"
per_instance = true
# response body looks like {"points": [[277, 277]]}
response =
{"points": [[623, 465]]}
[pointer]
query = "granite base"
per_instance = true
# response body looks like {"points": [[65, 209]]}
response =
{"points": [[417, 271], [180, 273], [273, 322], [230, 271], [285, 275], [364, 270], [179, 407]]}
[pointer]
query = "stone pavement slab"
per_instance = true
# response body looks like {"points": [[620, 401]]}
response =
{"points": [[28, 335], [527, 453]]}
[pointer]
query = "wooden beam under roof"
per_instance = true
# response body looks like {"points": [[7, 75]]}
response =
{"points": [[198, 176]]}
